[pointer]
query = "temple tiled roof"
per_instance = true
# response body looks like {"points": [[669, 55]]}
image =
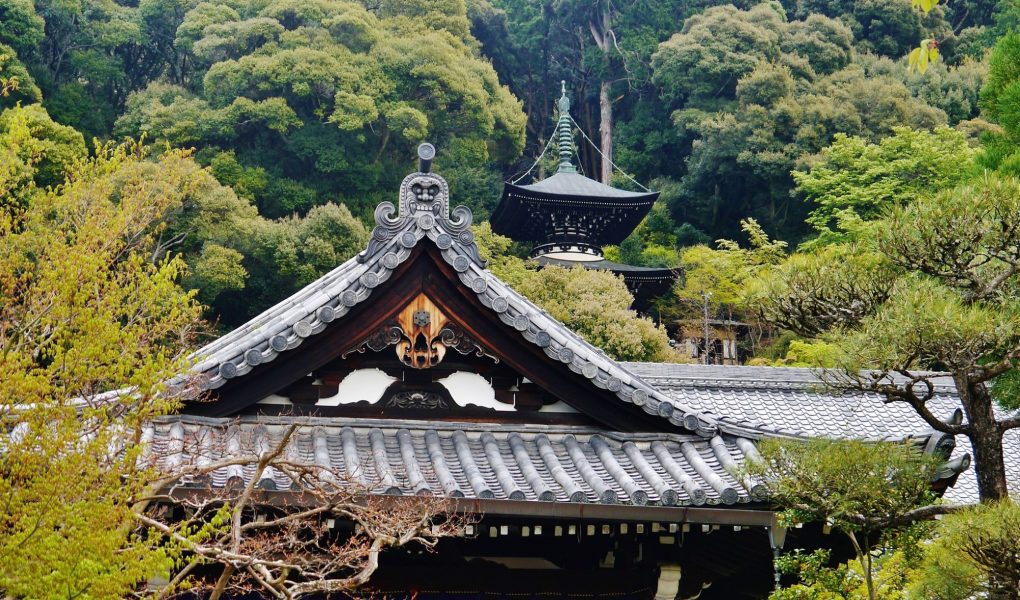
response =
{"points": [[288, 324], [791, 401], [482, 461], [718, 412], [474, 461]]}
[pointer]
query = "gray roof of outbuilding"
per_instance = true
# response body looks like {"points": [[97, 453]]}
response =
{"points": [[792, 401], [287, 325], [467, 460]]}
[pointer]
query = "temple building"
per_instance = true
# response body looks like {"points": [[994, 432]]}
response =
{"points": [[570, 217], [414, 371]]}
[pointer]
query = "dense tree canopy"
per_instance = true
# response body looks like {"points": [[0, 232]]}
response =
{"points": [[326, 100], [295, 106]]}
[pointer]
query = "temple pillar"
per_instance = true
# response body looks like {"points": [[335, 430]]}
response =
{"points": [[669, 582]]}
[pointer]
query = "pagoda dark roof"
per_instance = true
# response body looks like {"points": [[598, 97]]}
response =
{"points": [[574, 185], [570, 207]]}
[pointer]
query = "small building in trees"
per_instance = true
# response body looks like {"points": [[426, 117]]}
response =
{"points": [[411, 371], [570, 218]]}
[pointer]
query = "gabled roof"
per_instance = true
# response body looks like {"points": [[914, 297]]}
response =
{"points": [[423, 218]]}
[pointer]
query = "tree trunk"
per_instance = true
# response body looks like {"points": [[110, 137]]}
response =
{"points": [[606, 131], [985, 439]]}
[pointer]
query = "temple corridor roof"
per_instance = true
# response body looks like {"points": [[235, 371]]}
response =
{"points": [[473, 460], [793, 401]]}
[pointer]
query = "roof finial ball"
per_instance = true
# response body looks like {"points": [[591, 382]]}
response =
{"points": [[426, 152]]}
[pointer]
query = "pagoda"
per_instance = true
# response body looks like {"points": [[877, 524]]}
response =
{"points": [[570, 217]]}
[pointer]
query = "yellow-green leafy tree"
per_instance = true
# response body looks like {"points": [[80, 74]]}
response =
{"points": [[83, 311]]}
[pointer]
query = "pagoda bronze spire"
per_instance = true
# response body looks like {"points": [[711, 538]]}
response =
{"points": [[563, 130]]}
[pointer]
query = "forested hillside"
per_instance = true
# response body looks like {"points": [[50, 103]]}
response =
{"points": [[302, 115]]}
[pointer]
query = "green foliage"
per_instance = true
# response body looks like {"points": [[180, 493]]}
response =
{"points": [[975, 552], [854, 180], [818, 580], [722, 274], [16, 84], [83, 310], [21, 28], [54, 147], [853, 486], [858, 489], [811, 354], [755, 95], [239, 261], [929, 287], [216, 270], [327, 100], [653, 242], [1000, 102], [595, 304], [886, 28], [927, 325]]}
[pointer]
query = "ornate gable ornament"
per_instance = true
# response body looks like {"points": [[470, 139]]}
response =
{"points": [[423, 208], [422, 333]]}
